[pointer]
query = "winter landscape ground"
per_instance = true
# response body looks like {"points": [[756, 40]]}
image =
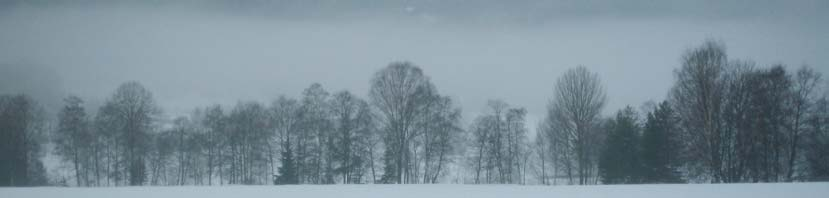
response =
{"points": [[798, 190]]}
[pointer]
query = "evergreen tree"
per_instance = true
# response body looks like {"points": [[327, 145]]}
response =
{"points": [[660, 147], [287, 173], [619, 161]]}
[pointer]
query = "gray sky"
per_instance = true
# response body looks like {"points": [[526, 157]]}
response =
{"points": [[195, 54]]}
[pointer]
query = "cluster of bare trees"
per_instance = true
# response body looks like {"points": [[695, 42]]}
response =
{"points": [[724, 121], [112, 147], [500, 145], [420, 126], [126, 143], [571, 131], [744, 123], [320, 138]]}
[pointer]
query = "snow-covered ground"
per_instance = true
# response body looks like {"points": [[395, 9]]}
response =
{"points": [[797, 190]]}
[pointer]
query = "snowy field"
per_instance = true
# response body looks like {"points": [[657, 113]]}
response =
{"points": [[798, 190]]}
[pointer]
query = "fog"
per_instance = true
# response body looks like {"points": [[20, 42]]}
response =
{"points": [[194, 54]]}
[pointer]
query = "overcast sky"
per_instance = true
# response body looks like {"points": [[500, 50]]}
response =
{"points": [[195, 54]]}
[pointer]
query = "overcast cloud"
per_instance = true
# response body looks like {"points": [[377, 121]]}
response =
{"points": [[196, 53]]}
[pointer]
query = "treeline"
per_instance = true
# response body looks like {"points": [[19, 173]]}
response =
{"points": [[723, 121]]}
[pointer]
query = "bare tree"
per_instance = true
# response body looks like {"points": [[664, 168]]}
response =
{"points": [[803, 91], [73, 138], [163, 146], [698, 96], [215, 122], [501, 140], [542, 147], [399, 92], [352, 123], [313, 147], [573, 115], [516, 144], [248, 137], [129, 115], [187, 151], [438, 131]]}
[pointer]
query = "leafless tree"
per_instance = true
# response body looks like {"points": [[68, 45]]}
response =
{"points": [[129, 116], [501, 140], [542, 147], [247, 137], [438, 131], [73, 139], [400, 93], [214, 122], [803, 94], [353, 126], [698, 96], [313, 147], [573, 115]]}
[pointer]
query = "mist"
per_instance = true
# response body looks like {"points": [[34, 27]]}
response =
{"points": [[192, 54]]}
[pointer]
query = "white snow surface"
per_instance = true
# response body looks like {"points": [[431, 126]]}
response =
{"points": [[795, 190]]}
